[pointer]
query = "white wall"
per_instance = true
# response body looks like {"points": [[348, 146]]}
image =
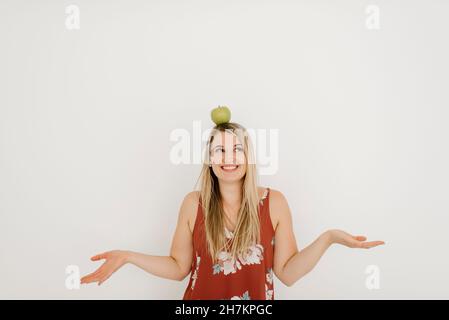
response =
{"points": [[86, 115]]}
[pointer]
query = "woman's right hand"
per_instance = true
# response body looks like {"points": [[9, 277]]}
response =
{"points": [[114, 260]]}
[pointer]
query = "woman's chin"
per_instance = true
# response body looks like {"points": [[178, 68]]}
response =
{"points": [[228, 178]]}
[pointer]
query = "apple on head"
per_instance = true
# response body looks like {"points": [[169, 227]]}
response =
{"points": [[220, 115]]}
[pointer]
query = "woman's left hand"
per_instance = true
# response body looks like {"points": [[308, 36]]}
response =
{"points": [[346, 239]]}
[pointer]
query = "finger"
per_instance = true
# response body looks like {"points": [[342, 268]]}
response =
{"points": [[100, 275], [104, 279], [354, 243], [96, 277], [91, 276], [98, 257], [372, 244], [88, 279]]}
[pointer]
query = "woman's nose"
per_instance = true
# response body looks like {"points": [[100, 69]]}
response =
{"points": [[228, 158]]}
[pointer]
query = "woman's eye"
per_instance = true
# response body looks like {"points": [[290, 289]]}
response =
{"points": [[239, 149]]}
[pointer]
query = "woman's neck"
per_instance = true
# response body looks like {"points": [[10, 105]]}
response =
{"points": [[231, 194]]}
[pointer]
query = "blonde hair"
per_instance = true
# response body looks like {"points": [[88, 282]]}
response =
{"points": [[247, 230]]}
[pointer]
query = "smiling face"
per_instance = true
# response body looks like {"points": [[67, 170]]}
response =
{"points": [[227, 156]]}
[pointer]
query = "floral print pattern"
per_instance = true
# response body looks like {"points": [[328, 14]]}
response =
{"points": [[228, 265], [269, 288], [244, 296], [269, 276], [268, 293], [195, 274]]}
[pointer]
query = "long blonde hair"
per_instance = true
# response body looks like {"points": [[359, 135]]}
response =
{"points": [[247, 230]]}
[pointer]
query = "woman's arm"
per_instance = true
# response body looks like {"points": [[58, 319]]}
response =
{"points": [[289, 263], [176, 266], [302, 262], [162, 266]]}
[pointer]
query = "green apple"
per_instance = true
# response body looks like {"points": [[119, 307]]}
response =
{"points": [[220, 115]]}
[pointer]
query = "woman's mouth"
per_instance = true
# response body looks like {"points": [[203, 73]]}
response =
{"points": [[229, 168]]}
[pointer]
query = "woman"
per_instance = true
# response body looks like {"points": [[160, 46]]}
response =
{"points": [[246, 228]]}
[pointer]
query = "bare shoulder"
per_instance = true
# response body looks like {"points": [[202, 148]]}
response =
{"points": [[261, 191], [278, 206], [189, 208], [192, 196], [277, 196]]}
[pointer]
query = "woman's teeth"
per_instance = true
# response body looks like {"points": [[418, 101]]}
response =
{"points": [[229, 168]]}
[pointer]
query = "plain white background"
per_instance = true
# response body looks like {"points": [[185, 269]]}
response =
{"points": [[86, 115]]}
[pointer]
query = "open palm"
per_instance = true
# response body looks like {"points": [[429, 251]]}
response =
{"points": [[114, 260], [346, 239]]}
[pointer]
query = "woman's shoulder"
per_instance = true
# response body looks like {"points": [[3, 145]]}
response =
{"points": [[277, 205], [191, 201], [192, 196], [275, 195]]}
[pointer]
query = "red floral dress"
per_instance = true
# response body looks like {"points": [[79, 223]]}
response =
{"points": [[249, 277]]}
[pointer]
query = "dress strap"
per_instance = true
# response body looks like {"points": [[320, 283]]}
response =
{"points": [[265, 195]]}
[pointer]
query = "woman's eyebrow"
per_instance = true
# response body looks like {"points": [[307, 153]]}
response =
{"points": [[237, 144]]}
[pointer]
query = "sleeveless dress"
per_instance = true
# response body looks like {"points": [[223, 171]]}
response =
{"points": [[249, 277]]}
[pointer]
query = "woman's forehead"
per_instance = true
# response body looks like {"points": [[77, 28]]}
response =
{"points": [[225, 139]]}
